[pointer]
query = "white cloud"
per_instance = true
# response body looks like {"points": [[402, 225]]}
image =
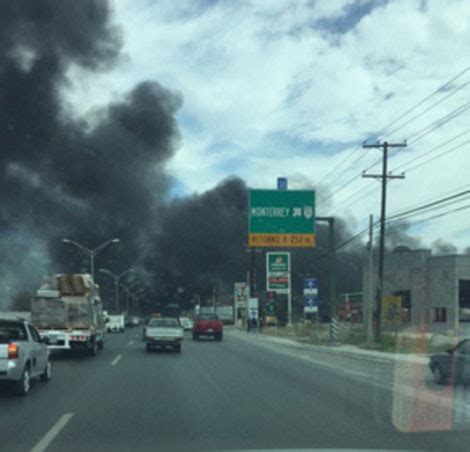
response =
{"points": [[250, 71]]}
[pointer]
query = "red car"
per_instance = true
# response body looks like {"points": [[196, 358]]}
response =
{"points": [[208, 325]]}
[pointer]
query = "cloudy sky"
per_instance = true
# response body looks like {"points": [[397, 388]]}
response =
{"points": [[292, 88]]}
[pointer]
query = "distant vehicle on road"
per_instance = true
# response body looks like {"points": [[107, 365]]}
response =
{"points": [[452, 366], [164, 332], [23, 355], [208, 325], [68, 313], [186, 323], [116, 323], [225, 313], [135, 321]]}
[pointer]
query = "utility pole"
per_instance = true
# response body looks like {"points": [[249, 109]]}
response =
{"points": [[370, 289], [332, 262], [383, 209], [252, 281]]}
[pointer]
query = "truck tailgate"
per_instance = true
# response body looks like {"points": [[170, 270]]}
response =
{"points": [[3, 351]]}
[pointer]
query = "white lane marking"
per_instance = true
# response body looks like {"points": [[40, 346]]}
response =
{"points": [[116, 360], [131, 342], [52, 433]]}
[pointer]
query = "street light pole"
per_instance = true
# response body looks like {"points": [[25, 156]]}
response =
{"points": [[91, 253], [116, 279]]}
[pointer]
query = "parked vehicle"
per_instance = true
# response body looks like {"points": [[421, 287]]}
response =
{"points": [[164, 332], [208, 325], [68, 313], [23, 355], [452, 366], [186, 323], [116, 323]]}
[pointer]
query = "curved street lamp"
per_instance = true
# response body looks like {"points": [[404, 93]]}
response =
{"points": [[116, 279], [91, 253]]}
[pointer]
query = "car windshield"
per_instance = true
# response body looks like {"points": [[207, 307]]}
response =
{"points": [[235, 225], [163, 322]]}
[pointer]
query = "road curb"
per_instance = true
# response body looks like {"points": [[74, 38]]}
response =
{"points": [[368, 356]]}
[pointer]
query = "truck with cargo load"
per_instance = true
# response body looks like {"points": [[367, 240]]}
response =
{"points": [[68, 313]]}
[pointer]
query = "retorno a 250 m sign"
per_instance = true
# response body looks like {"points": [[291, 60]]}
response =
{"points": [[281, 218]]}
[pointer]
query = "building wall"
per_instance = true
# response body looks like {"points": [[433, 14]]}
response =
{"points": [[433, 282]]}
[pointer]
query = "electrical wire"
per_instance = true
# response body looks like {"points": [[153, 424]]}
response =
{"points": [[414, 107], [435, 104], [439, 123], [435, 148], [381, 132]]}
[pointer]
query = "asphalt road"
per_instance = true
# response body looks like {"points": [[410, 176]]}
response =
{"points": [[238, 394]]}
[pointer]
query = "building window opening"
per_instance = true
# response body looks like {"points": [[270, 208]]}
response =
{"points": [[439, 315], [464, 300], [405, 304]]}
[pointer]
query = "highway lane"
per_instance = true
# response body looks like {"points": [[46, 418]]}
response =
{"points": [[230, 395]]}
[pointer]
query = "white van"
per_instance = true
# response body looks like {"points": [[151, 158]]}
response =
{"points": [[115, 323]]}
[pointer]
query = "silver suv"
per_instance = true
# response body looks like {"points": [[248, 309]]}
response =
{"points": [[23, 355]]}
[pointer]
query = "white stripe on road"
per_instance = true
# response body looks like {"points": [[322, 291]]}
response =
{"points": [[131, 342], [52, 433], [116, 360]]}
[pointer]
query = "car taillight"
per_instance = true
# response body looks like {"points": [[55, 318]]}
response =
{"points": [[13, 351]]}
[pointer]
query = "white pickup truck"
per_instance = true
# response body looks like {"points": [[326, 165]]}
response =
{"points": [[164, 332], [23, 355]]}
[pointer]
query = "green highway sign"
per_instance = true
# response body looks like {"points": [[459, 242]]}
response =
{"points": [[281, 218]]}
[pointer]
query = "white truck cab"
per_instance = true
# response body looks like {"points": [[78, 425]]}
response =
{"points": [[115, 323]]}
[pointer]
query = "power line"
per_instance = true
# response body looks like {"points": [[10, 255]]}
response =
{"points": [[349, 167], [439, 123], [414, 107], [353, 195], [437, 156], [458, 209], [430, 204], [339, 165], [435, 104], [432, 199], [435, 148]]}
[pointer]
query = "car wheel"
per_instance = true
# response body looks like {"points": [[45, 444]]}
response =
{"points": [[101, 345], [47, 374], [439, 377], [195, 336], [148, 348], [178, 348], [219, 337], [23, 385]]}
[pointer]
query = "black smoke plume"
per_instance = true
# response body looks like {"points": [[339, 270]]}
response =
{"points": [[61, 177]]}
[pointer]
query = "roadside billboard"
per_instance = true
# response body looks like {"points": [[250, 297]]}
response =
{"points": [[278, 267]]}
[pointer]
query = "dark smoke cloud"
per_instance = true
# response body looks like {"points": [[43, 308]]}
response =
{"points": [[91, 180], [441, 247], [59, 177]]}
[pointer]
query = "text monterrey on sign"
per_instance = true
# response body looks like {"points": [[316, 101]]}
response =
{"points": [[281, 218]]}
